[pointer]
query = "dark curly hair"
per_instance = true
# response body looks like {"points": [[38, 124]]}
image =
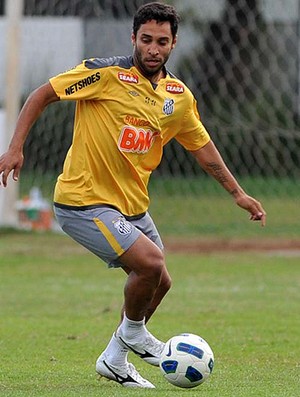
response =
{"points": [[158, 12]]}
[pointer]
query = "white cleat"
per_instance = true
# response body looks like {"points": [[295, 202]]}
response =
{"points": [[126, 375], [150, 350]]}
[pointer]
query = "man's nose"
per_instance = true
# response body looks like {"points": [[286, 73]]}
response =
{"points": [[153, 50]]}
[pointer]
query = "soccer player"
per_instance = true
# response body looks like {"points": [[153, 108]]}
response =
{"points": [[127, 109]]}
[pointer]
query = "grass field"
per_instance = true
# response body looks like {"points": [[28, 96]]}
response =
{"points": [[192, 207], [59, 305], [201, 207]]}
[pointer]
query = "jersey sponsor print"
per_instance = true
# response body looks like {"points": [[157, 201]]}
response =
{"points": [[136, 140], [128, 77], [175, 88], [93, 78]]}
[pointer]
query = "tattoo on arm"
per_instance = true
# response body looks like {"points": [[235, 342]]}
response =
{"points": [[233, 192], [217, 172]]}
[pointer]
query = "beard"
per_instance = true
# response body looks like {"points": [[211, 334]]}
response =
{"points": [[149, 66]]}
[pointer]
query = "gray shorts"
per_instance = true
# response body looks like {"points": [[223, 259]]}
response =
{"points": [[105, 231]]}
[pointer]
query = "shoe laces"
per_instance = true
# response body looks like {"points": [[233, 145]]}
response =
{"points": [[155, 344], [134, 373]]}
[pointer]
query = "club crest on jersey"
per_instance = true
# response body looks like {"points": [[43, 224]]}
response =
{"points": [[168, 107], [175, 88], [128, 77], [122, 226]]}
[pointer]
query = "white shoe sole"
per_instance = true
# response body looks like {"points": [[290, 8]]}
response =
{"points": [[108, 371]]}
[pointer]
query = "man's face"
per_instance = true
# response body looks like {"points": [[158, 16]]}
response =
{"points": [[153, 44]]}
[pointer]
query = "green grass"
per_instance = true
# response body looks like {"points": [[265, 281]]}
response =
{"points": [[193, 207], [214, 216], [203, 208], [59, 305]]}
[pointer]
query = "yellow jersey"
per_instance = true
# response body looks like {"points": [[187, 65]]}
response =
{"points": [[122, 121]]}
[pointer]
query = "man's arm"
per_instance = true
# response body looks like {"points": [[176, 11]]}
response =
{"points": [[13, 159], [211, 161]]}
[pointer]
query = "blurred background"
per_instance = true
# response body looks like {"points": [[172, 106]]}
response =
{"points": [[241, 58]]}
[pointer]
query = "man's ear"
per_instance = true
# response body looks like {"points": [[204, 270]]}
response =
{"points": [[174, 42], [133, 38]]}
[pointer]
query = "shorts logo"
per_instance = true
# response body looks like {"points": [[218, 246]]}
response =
{"points": [[175, 88], [128, 77], [168, 106], [122, 226]]}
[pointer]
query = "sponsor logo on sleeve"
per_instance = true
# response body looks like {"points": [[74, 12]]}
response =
{"points": [[79, 85], [128, 77], [175, 88]]}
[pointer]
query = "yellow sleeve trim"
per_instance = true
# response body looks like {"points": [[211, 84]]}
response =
{"points": [[109, 237]]}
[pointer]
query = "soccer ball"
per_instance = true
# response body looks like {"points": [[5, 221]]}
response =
{"points": [[187, 360]]}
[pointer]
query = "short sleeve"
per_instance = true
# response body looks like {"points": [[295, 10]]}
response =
{"points": [[193, 135], [78, 83]]}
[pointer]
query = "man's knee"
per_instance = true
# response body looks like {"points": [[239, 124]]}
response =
{"points": [[153, 267], [166, 282]]}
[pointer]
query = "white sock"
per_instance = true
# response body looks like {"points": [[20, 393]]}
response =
{"points": [[114, 353], [131, 329]]}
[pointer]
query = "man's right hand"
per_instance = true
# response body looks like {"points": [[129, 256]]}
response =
{"points": [[10, 161]]}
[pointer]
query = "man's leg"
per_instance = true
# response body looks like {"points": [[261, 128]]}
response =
{"points": [[106, 233], [162, 289], [146, 285], [148, 282], [146, 277]]}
